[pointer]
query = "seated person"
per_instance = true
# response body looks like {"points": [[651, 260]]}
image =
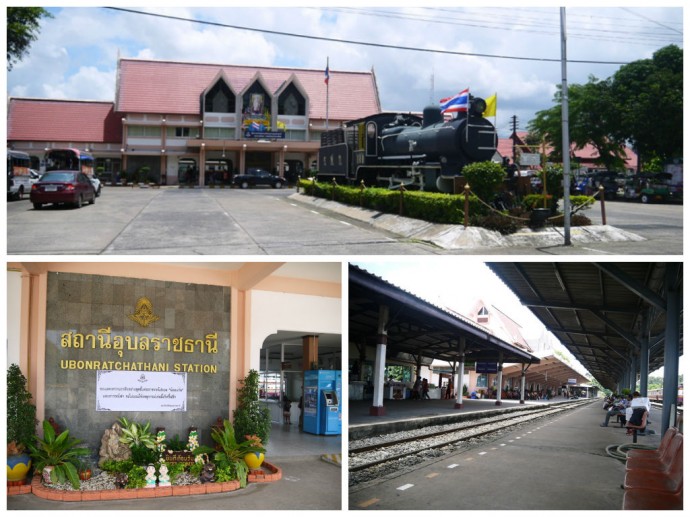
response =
{"points": [[637, 401], [638, 420], [617, 409]]}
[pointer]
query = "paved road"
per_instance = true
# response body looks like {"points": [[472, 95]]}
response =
{"points": [[172, 221]]}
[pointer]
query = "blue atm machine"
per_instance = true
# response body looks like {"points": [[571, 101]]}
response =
{"points": [[323, 402]]}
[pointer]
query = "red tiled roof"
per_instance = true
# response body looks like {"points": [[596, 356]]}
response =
{"points": [[176, 88], [587, 155], [63, 121]]}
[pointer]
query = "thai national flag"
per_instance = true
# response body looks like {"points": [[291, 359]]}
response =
{"points": [[327, 75], [459, 102]]}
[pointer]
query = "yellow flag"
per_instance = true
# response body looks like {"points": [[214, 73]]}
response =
{"points": [[490, 110]]}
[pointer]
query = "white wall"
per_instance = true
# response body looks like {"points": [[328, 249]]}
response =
{"points": [[14, 293], [271, 312]]}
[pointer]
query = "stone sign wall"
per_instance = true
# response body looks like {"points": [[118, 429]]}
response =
{"points": [[98, 323]]}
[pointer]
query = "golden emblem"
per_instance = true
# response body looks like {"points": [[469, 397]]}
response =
{"points": [[143, 314]]}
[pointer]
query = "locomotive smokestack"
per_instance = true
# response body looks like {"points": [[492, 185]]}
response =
{"points": [[431, 115]]}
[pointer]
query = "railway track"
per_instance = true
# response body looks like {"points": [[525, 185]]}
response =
{"points": [[381, 456]]}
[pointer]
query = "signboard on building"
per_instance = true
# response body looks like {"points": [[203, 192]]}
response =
{"points": [[530, 159], [485, 367], [572, 381], [141, 391]]}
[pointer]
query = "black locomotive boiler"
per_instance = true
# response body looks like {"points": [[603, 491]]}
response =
{"points": [[393, 149]]}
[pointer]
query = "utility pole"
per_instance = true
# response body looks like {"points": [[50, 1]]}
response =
{"points": [[566, 134], [514, 126]]}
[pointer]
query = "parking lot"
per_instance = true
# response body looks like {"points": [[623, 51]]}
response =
{"points": [[265, 221]]}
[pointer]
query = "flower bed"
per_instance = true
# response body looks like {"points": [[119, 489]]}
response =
{"points": [[102, 487]]}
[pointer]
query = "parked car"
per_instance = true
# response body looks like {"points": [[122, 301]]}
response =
{"points": [[652, 187], [19, 185], [62, 187], [256, 176]]}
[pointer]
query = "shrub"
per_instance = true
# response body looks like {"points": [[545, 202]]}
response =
{"points": [[499, 223], [484, 178], [136, 477], [122, 466], [252, 417], [21, 413]]}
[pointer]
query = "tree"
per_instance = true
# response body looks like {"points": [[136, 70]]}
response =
{"points": [[590, 123], [647, 97], [22, 29], [642, 104]]}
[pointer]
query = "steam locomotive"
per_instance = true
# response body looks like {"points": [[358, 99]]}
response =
{"points": [[393, 149]]}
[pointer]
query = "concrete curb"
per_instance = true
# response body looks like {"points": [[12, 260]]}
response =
{"points": [[452, 236]]}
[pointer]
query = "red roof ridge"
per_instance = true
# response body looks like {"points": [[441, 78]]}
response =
{"points": [[254, 67]]}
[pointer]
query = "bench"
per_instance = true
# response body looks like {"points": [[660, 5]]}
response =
{"points": [[656, 453], [656, 483], [641, 499]]}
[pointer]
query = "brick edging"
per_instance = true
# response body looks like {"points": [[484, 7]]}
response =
{"points": [[40, 490]]}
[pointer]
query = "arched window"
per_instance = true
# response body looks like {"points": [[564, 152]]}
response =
{"points": [[291, 102], [219, 99]]}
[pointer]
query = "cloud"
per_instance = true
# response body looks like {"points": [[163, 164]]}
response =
{"points": [[81, 45]]}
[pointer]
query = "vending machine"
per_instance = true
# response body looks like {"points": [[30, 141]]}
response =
{"points": [[322, 402]]}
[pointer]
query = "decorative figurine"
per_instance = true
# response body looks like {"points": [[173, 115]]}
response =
{"points": [[163, 477], [208, 473], [121, 480], [151, 476]]}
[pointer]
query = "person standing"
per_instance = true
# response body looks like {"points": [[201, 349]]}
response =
{"points": [[425, 389]]}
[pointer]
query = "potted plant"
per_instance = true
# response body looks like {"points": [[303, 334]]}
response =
{"points": [[57, 457], [252, 417], [232, 453], [21, 425], [84, 467]]}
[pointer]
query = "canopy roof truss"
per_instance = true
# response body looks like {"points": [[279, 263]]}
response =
{"points": [[419, 328], [599, 311]]}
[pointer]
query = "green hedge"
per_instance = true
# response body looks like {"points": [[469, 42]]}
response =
{"points": [[433, 207], [428, 206]]}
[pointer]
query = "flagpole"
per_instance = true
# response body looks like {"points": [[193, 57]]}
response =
{"points": [[327, 87]]}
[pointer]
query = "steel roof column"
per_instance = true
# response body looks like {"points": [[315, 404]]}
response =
{"points": [[523, 376], [499, 380], [377, 408], [461, 374], [644, 353], [671, 348]]}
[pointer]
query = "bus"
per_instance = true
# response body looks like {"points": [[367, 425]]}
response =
{"points": [[69, 160], [18, 174]]}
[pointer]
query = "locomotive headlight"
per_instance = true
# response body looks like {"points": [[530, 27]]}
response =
{"points": [[371, 130]]}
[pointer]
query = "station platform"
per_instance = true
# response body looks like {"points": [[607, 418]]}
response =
{"points": [[402, 414], [557, 463], [311, 480]]}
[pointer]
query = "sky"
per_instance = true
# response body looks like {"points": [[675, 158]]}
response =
{"points": [[76, 53], [457, 285]]}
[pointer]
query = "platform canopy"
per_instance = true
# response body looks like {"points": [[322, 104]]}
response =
{"points": [[550, 370], [419, 328], [599, 311]]}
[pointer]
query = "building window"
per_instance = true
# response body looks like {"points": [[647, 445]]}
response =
{"points": [[219, 133], [482, 381], [219, 99], [179, 132], [144, 131], [291, 102]]}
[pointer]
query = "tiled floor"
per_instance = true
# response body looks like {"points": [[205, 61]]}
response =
{"points": [[288, 440]]}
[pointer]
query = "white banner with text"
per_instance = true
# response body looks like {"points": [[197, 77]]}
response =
{"points": [[141, 391]]}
